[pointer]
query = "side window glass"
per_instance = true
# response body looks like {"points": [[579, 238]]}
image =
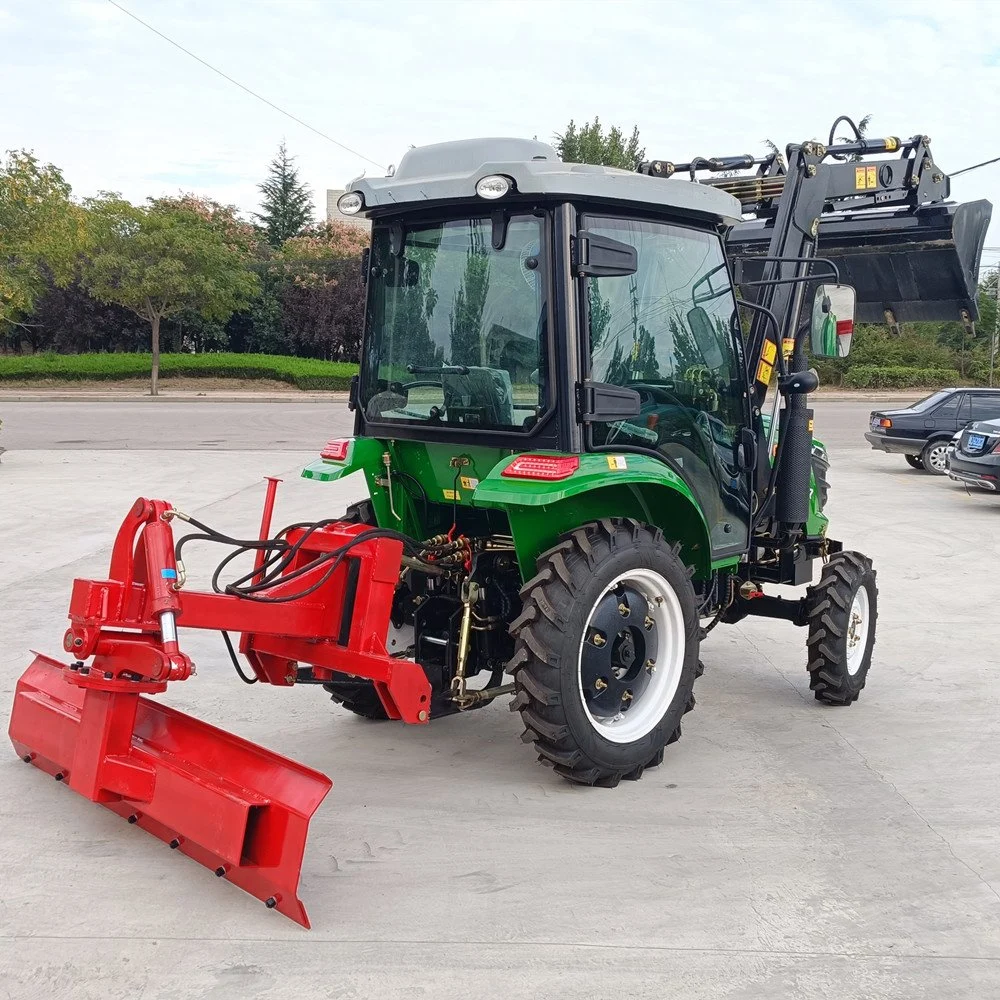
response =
{"points": [[985, 407], [949, 409], [666, 331]]}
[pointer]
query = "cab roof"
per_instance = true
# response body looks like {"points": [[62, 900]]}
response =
{"points": [[448, 172]]}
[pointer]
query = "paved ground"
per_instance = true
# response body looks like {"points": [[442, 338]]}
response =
{"points": [[783, 850]]}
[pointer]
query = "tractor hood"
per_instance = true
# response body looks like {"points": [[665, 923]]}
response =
{"points": [[447, 172]]}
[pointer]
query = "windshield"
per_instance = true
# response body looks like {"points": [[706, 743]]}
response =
{"points": [[456, 328], [932, 400]]}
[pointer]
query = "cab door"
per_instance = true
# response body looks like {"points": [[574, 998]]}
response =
{"points": [[666, 331]]}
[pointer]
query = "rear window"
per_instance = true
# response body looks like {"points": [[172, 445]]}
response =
{"points": [[932, 400]]}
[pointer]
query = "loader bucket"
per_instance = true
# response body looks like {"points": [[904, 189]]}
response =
{"points": [[918, 266], [240, 810]]}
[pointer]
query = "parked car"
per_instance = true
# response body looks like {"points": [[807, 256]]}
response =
{"points": [[921, 433], [975, 459]]}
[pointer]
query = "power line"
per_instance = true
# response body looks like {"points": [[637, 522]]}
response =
{"points": [[975, 166], [237, 83]]}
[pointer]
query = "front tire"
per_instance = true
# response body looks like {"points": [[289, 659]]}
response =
{"points": [[842, 610], [606, 652], [934, 457], [914, 462]]}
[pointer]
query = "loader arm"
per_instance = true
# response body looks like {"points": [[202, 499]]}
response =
{"points": [[884, 226]]}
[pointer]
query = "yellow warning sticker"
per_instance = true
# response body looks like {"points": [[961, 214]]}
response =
{"points": [[788, 347], [617, 462], [468, 483], [770, 351], [764, 372], [810, 426], [452, 495], [871, 176], [859, 178]]}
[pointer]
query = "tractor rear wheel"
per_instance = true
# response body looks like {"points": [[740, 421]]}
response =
{"points": [[606, 652], [842, 612], [357, 696]]}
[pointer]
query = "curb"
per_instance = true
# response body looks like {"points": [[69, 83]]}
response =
{"points": [[60, 396]]}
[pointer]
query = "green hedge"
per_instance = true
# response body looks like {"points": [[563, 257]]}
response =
{"points": [[870, 377], [305, 373]]}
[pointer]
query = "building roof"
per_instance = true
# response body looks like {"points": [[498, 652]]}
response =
{"points": [[448, 171]]}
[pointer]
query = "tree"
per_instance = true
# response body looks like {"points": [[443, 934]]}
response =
{"points": [[466, 318], [589, 144], [168, 257], [40, 233], [286, 203], [322, 296]]}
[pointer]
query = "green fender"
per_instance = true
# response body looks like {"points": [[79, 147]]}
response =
{"points": [[365, 455], [634, 486]]}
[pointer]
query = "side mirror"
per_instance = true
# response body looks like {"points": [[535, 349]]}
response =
{"points": [[832, 323], [602, 257], [706, 338]]}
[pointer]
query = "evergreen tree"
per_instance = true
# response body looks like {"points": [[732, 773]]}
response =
{"points": [[588, 143], [286, 202]]}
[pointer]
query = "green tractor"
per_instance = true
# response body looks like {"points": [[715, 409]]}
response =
{"points": [[564, 394], [575, 472]]}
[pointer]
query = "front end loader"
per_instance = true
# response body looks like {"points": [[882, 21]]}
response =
{"points": [[573, 476]]}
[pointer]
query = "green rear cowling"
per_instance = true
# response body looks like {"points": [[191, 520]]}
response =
{"points": [[428, 484]]}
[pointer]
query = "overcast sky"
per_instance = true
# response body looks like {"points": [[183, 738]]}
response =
{"points": [[118, 108]]}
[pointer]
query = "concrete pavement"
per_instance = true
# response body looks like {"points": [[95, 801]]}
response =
{"points": [[784, 849]]}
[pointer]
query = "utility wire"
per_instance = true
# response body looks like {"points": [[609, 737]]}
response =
{"points": [[237, 83], [975, 166]]}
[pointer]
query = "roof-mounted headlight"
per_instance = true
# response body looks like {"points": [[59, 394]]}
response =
{"points": [[492, 186], [350, 203]]}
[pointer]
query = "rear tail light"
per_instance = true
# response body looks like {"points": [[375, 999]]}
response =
{"points": [[542, 467], [336, 450], [885, 423], [996, 448]]}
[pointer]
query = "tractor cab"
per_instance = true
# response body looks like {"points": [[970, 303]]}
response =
{"points": [[516, 303]]}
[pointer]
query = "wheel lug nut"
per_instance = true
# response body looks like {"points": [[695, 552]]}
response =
{"points": [[651, 665], [647, 623], [626, 697], [597, 639], [600, 684], [623, 610]]}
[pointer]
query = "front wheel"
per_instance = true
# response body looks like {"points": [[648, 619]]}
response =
{"points": [[606, 652], [934, 457], [842, 610], [914, 462]]}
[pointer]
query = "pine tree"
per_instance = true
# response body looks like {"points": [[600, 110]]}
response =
{"points": [[286, 202]]}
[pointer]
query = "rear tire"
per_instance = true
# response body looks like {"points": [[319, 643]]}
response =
{"points": [[934, 457], [914, 462], [606, 652], [842, 611], [357, 696]]}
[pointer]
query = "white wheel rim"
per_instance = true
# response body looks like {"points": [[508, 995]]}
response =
{"points": [[858, 627], [937, 456], [645, 712]]}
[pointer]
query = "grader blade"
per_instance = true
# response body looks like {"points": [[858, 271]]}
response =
{"points": [[237, 809]]}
